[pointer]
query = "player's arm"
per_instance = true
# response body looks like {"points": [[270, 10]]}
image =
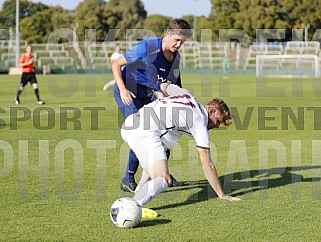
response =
{"points": [[125, 95], [211, 174], [22, 61], [137, 52], [171, 89]]}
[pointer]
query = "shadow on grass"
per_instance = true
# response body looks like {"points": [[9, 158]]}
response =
{"points": [[153, 222], [248, 183]]}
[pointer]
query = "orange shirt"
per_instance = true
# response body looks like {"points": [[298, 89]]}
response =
{"points": [[24, 59]]}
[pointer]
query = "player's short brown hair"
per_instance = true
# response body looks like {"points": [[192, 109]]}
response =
{"points": [[181, 27], [223, 108]]}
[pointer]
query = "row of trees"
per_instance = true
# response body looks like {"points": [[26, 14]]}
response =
{"points": [[39, 20], [267, 14]]}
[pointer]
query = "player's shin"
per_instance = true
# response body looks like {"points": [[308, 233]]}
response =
{"points": [[144, 178], [150, 189]]}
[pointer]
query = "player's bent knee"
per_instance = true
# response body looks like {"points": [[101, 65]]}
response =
{"points": [[157, 168]]}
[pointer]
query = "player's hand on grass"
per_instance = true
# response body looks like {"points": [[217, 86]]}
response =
{"points": [[229, 198], [127, 97]]}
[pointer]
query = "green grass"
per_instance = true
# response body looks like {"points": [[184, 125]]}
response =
{"points": [[58, 178]]}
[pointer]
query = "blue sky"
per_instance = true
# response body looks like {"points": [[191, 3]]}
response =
{"points": [[172, 8]]}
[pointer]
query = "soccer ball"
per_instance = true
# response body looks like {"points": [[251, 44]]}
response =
{"points": [[125, 213]]}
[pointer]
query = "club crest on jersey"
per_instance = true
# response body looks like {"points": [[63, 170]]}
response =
{"points": [[176, 73]]}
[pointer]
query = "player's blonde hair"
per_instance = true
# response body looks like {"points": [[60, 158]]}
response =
{"points": [[223, 108], [180, 27]]}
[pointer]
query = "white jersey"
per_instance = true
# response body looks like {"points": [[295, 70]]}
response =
{"points": [[170, 118]]}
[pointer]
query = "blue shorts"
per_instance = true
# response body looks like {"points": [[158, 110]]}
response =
{"points": [[141, 99]]}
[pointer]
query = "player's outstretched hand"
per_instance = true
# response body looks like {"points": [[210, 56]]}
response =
{"points": [[127, 97], [230, 198]]}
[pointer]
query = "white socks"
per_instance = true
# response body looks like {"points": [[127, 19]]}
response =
{"points": [[150, 189]]}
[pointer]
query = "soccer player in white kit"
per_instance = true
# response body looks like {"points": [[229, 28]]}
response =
{"points": [[160, 124]]}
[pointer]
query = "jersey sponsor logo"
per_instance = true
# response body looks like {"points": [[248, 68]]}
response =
{"points": [[176, 73], [162, 69], [154, 52], [161, 79]]}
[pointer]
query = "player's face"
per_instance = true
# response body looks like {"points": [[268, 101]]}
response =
{"points": [[29, 49], [217, 119], [175, 42]]}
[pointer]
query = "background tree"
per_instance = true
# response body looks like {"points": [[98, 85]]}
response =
{"points": [[125, 14], [275, 14], [36, 28], [102, 16], [26, 9], [157, 23], [90, 15], [223, 15], [204, 27], [303, 13], [263, 15], [205, 30]]}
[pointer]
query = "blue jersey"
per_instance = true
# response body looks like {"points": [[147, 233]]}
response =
{"points": [[147, 67]]}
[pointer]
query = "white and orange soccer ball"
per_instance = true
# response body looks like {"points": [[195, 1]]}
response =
{"points": [[125, 213]]}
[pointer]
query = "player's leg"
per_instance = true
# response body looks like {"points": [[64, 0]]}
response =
{"points": [[128, 183], [152, 157], [33, 81], [154, 163], [36, 90], [160, 179], [19, 91], [144, 178], [23, 83]]}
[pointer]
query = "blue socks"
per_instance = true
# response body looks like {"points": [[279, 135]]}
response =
{"points": [[132, 167]]}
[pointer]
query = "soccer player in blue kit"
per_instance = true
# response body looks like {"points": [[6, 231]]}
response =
{"points": [[152, 61]]}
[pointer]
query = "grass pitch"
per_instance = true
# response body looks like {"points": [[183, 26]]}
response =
{"points": [[61, 164]]}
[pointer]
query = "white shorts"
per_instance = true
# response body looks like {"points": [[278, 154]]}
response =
{"points": [[146, 144]]}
